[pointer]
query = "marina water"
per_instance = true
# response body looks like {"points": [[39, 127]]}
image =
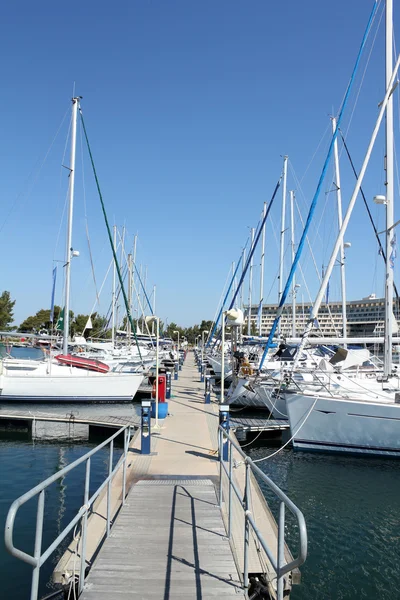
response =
{"points": [[351, 508], [23, 465], [350, 505]]}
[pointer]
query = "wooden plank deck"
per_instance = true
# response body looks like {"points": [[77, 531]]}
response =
{"points": [[138, 552], [168, 542]]}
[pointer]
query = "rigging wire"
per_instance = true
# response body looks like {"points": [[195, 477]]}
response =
{"points": [[87, 223], [101, 289], [128, 308], [140, 306], [366, 65], [20, 195], [316, 270], [66, 195], [381, 249], [318, 189]]}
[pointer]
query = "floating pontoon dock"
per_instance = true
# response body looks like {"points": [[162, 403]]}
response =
{"points": [[183, 529]]}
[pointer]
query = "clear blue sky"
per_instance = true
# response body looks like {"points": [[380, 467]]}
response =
{"points": [[189, 108]]}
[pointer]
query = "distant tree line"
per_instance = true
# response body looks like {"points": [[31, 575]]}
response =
{"points": [[189, 332], [40, 322]]}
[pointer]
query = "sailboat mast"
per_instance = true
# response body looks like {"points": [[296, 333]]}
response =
{"points": [[282, 240], [262, 269], [68, 250], [390, 235], [234, 281], [144, 297], [340, 221], [291, 195], [250, 284], [134, 265], [333, 258], [130, 267], [242, 286], [113, 287]]}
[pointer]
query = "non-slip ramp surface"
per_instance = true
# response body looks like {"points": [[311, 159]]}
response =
{"points": [[168, 542]]}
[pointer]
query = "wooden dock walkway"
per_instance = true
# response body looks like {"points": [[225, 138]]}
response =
{"points": [[169, 540]]}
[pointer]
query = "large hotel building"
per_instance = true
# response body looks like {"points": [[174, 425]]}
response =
{"points": [[365, 318]]}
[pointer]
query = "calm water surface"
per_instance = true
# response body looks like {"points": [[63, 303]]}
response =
{"points": [[351, 507], [23, 465]]}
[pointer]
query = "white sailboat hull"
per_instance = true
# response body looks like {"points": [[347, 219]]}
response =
{"points": [[275, 403], [341, 425], [241, 395], [217, 367], [68, 385]]}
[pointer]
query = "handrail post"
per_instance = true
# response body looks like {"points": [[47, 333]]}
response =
{"points": [[230, 492], [109, 486], [246, 531], [84, 529], [224, 422], [38, 546], [281, 551], [126, 444], [220, 437]]}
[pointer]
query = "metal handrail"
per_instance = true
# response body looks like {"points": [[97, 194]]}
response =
{"points": [[279, 565], [39, 557]]}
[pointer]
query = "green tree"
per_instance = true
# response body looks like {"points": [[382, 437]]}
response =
{"points": [[6, 311], [41, 320], [99, 325], [169, 332], [206, 326], [189, 332]]}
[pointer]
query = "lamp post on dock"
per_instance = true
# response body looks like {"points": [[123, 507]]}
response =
{"points": [[177, 351], [202, 343], [235, 317], [149, 321], [202, 351]]}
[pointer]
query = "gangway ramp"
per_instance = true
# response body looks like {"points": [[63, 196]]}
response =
{"points": [[169, 541], [182, 521]]}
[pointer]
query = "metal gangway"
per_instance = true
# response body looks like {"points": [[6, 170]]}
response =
{"points": [[213, 528]]}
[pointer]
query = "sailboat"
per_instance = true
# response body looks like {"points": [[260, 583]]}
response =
{"points": [[56, 382], [361, 417]]}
